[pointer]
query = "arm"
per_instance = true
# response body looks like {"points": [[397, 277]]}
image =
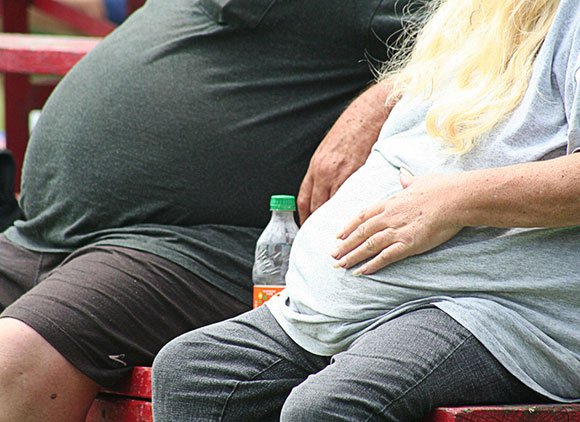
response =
{"points": [[344, 149], [432, 209]]}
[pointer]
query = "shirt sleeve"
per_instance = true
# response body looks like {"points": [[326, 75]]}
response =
{"points": [[573, 87]]}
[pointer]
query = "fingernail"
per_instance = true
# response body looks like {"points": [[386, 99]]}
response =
{"points": [[337, 254], [359, 271]]}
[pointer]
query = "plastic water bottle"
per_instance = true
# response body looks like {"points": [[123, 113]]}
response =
{"points": [[273, 249]]}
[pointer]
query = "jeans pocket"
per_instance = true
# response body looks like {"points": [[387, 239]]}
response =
{"points": [[238, 13]]}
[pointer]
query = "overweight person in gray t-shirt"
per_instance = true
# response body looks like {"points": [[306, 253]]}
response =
{"points": [[444, 271]]}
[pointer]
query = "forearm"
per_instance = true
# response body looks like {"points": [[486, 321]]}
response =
{"points": [[539, 194], [344, 148], [364, 117], [431, 209]]}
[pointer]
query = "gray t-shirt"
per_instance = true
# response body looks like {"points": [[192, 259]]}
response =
{"points": [[516, 290]]}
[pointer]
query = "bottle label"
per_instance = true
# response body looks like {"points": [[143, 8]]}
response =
{"points": [[263, 293]]}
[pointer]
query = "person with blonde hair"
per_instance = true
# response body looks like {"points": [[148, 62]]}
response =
{"points": [[442, 272]]}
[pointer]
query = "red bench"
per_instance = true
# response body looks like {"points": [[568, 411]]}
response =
{"points": [[508, 413], [131, 402]]}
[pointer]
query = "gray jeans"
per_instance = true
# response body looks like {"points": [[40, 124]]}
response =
{"points": [[248, 369]]}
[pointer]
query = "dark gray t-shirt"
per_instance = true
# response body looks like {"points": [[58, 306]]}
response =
{"points": [[173, 133]]}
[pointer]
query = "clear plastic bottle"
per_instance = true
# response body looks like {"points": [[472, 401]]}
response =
{"points": [[273, 249]]}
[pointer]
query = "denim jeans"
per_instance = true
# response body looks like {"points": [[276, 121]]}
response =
{"points": [[248, 369]]}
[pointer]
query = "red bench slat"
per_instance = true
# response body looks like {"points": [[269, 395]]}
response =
{"points": [[130, 402], [115, 409], [511, 413], [42, 54]]}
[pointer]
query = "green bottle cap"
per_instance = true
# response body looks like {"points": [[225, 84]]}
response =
{"points": [[282, 203]]}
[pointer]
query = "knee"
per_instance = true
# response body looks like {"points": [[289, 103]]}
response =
{"points": [[312, 401], [175, 376], [191, 353], [316, 400], [307, 404], [169, 361]]}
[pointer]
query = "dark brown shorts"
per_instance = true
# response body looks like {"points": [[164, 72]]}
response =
{"points": [[107, 309]]}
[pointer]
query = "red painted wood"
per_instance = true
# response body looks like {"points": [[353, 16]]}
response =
{"points": [[112, 409], [17, 92], [16, 89], [75, 18], [130, 402], [511, 413], [115, 409], [40, 93], [42, 54], [137, 385], [14, 15]]}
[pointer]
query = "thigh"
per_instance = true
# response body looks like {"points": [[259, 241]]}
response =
{"points": [[402, 370], [238, 370], [21, 269], [36, 382], [107, 309]]}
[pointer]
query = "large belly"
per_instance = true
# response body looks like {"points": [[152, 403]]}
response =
{"points": [[478, 262]]}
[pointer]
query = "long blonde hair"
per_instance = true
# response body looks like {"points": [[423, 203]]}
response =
{"points": [[473, 61]]}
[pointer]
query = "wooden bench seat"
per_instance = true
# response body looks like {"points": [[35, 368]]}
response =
{"points": [[508, 413], [131, 402]]}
